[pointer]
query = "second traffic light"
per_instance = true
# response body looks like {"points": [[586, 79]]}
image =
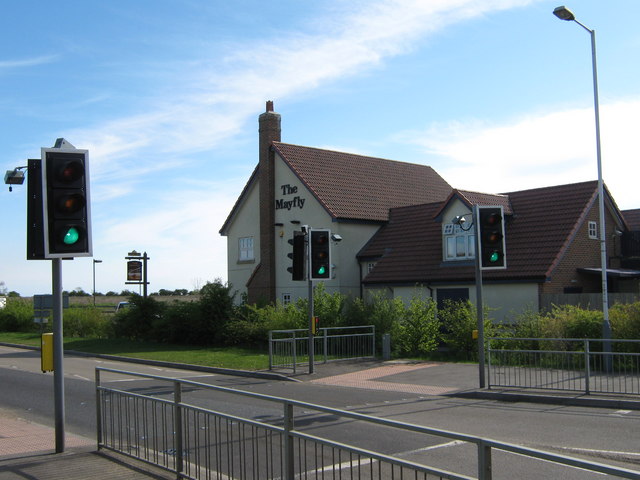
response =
{"points": [[320, 254], [297, 255], [491, 236], [66, 212]]}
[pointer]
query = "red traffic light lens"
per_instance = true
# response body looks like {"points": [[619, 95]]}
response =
{"points": [[70, 171], [493, 219]]}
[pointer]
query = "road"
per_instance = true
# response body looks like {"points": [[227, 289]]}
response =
{"points": [[603, 435]]}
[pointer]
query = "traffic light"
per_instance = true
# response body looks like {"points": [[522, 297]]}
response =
{"points": [[320, 254], [297, 268], [35, 229], [67, 209], [492, 242]]}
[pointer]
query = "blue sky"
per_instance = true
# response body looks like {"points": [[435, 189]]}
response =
{"points": [[496, 95]]}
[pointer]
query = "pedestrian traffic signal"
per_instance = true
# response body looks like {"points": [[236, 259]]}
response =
{"points": [[491, 238], [297, 255], [320, 254], [67, 210]]}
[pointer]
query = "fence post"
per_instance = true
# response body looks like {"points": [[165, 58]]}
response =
{"points": [[98, 410], [489, 363], [293, 348], [177, 400], [587, 367], [373, 341], [325, 344], [484, 461], [288, 442], [270, 350]]}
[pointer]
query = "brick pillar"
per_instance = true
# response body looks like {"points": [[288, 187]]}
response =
{"points": [[262, 286]]}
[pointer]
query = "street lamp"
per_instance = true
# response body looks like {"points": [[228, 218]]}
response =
{"points": [[563, 13], [94, 280]]}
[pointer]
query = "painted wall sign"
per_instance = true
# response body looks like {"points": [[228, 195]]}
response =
{"points": [[288, 204]]}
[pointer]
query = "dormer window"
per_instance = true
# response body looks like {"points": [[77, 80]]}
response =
{"points": [[458, 243]]}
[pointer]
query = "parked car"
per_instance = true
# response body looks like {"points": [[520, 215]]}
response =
{"points": [[121, 306]]}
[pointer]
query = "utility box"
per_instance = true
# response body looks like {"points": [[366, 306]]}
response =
{"points": [[46, 352]]}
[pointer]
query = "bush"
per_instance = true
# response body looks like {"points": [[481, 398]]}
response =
{"points": [[86, 322], [17, 316], [136, 322], [458, 320], [416, 334], [625, 321]]}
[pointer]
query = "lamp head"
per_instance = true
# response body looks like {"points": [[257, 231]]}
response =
{"points": [[563, 13]]}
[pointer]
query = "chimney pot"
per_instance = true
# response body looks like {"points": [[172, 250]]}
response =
{"points": [[269, 105]]}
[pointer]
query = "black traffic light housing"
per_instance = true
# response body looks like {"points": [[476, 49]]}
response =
{"points": [[491, 238], [297, 255], [320, 254], [35, 228], [66, 200]]}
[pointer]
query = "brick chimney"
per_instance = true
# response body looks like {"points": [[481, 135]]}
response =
{"points": [[262, 286]]}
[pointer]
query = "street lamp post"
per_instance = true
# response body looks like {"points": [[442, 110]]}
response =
{"points": [[563, 13], [94, 280]]}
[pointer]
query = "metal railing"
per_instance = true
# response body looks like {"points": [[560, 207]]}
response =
{"points": [[289, 348], [156, 423], [571, 364]]}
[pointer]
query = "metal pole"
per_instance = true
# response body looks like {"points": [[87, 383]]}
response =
{"points": [[479, 309], [58, 353], [144, 274], [606, 325], [565, 14], [311, 343]]}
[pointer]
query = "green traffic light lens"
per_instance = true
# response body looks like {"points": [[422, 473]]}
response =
{"points": [[71, 236], [321, 270], [494, 257]]}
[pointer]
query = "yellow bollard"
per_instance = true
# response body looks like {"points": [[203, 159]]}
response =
{"points": [[46, 352]]}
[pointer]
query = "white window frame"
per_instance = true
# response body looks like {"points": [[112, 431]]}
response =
{"points": [[457, 243], [286, 299], [245, 249], [370, 266], [593, 230]]}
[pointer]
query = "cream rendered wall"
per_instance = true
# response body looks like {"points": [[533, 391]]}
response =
{"points": [[245, 224], [295, 202], [505, 301]]}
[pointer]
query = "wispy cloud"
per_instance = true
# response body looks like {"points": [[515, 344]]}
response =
{"points": [[361, 37], [27, 62]]}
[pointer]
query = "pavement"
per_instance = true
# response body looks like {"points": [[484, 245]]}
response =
{"points": [[27, 450]]}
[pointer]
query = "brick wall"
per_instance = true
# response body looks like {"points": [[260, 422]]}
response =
{"points": [[262, 285], [585, 252]]}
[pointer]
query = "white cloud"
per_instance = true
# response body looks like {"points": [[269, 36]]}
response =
{"points": [[550, 148]]}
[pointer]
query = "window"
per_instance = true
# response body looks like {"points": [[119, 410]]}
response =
{"points": [[286, 298], [458, 244], [246, 249], [370, 267], [593, 230]]}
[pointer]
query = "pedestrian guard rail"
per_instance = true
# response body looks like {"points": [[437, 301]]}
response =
{"points": [[571, 364], [202, 431], [289, 349]]}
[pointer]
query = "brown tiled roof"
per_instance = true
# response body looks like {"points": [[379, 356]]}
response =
{"points": [[632, 217], [356, 187], [473, 198], [543, 223]]}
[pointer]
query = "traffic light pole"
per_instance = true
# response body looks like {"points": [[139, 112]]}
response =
{"points": [[58, 353], [479, 304], [311, 338]]}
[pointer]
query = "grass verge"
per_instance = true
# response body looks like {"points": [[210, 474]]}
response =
{"points": [[229, 357]]}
